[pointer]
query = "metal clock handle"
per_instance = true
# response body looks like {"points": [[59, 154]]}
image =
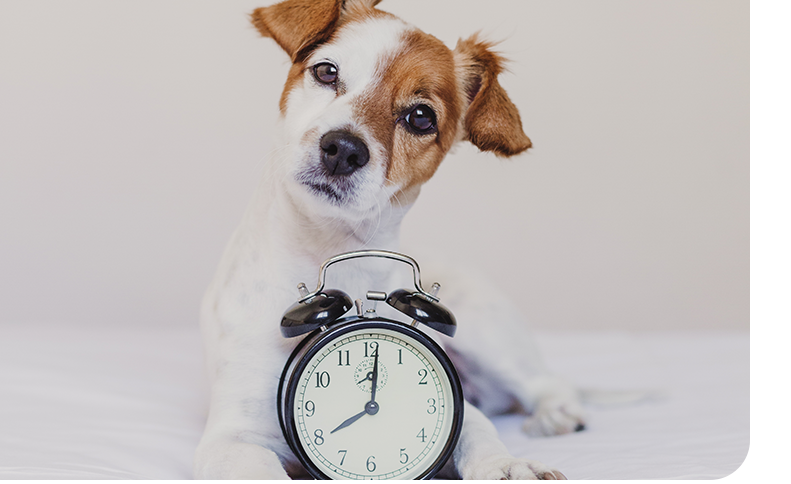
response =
{"points": [[384, 254]]}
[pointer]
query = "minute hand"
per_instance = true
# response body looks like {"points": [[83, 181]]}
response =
{"points": [[376, 375]]}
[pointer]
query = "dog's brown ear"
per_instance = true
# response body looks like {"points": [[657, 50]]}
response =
{"points": [[366, 4], [492, 122], [296, 25]]}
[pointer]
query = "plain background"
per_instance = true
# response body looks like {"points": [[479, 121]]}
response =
{"points": [[132, 135]]}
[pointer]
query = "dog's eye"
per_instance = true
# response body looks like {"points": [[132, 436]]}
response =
{"points": [[325, 73], [422, 119]]}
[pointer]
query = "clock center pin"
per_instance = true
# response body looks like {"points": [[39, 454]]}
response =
{"points": [[371, 408]]}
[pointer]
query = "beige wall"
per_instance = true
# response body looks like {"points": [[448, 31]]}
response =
{"points": [[132, 135]]}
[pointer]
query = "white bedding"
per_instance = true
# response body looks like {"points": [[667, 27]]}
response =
{"points": [[93, 402]]}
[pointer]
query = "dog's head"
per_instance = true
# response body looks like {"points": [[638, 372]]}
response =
{"points": [[372, 105]]}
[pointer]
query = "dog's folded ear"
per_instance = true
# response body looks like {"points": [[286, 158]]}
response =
{"points": [[297, 25], [492, 121], [365, 4]]}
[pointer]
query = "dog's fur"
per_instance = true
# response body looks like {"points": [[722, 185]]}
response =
{"points": [[301, 214]]}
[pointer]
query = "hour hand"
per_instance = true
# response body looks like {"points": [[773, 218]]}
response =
{"points": [[349, 421], [371, 408]]}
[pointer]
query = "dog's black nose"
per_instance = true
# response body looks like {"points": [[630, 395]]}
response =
{"points": [[342, 152]]}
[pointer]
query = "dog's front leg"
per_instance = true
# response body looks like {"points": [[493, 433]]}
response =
{"points": [[242, 439], [480, 454]]}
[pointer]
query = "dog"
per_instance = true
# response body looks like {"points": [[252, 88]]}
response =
{"points": [[371, 106]]}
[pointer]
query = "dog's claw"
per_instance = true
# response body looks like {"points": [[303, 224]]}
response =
{"points": [[554, 475], [507, 468]]}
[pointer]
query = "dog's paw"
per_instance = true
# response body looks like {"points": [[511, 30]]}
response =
{"points": [[510, 468], [555, 418]]}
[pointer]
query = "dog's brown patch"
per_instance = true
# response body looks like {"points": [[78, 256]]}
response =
{"points": [[421, 72]]}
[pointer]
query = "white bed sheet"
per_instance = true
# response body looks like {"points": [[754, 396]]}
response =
{"points": [[110, 403]]}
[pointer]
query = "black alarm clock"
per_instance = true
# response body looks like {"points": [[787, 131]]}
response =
{"points": [[366, 397]]}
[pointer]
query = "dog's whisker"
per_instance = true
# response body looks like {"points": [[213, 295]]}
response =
{"points": [[398, 200]]}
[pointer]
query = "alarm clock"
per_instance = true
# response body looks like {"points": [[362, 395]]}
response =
{"points": [[366, 397]]}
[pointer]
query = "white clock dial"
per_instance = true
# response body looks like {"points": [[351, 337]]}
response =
{"points": [[351, 432]]}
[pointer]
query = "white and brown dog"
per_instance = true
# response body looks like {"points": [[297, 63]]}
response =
{"points": [[370, 108]]}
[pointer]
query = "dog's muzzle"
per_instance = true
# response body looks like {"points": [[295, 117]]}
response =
{"points": [[342, 152]]}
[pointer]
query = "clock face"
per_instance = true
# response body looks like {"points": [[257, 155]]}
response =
{"points": [[399, 431]]}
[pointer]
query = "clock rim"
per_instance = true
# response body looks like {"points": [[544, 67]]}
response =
{"points": [[316, 341]]}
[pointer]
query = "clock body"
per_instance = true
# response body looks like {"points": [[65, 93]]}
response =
{"points": [[340, 428]]}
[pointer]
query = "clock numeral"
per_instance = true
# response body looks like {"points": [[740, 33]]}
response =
{"points": [[310, 408], [374, 349], [319, 437], [322, 379], [370, 464], [432, 406], [422, 434], [340, 358], [404, 456], [423, 374], [343, 457], [399, 358]]}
